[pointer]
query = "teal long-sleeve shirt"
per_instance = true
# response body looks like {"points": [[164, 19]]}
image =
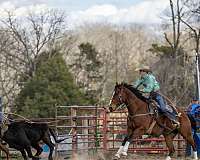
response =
{"points": [[148, 82]]}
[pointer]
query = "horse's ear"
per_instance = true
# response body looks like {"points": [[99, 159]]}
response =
{"points": [[116, 83]]}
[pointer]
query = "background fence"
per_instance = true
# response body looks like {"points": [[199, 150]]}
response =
{"points": [[90, 128]]}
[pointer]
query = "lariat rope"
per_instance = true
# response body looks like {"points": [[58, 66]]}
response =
{"points": [[10, 113], [23, 118], [27, 120]]}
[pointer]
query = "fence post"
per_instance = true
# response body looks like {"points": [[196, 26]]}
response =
{"points": [[74, 133], [105, 130]]}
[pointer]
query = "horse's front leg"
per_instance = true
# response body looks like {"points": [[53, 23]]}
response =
{"points": [[128, 139], [122, 147]]}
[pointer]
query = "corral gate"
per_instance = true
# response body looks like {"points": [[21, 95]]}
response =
{"points": [[90, 128]]}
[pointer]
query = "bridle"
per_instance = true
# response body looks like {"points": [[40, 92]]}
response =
{"points": [[120, 98]]}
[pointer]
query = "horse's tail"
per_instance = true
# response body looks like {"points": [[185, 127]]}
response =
{"points": [[54, 136]]}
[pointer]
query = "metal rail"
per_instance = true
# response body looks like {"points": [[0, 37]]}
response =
{"points": [[91, 127]]}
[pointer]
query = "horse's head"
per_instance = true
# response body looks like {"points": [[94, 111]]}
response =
{"points": [[120, 97], [117, 98]]}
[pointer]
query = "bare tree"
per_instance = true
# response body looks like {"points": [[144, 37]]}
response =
{"points": [[23, 39], [32, 34], [191, 18], [174, 70], [175, 18], [171, 59]]}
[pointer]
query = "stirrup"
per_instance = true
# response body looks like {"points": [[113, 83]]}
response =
{"points": [[176, 124]]}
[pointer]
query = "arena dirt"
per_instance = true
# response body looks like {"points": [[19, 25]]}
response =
{"points": [[109, 156]]}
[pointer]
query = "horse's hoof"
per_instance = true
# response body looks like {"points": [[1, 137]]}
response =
{"points": [[168, 158], [195, 155], [116, 157], [124, 154]]}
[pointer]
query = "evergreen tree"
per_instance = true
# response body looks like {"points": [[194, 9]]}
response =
{"points": [[51, 85], [88, 67]]}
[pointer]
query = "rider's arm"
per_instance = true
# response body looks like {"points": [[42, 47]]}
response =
{"points": [[138, 82], [149, 87]]}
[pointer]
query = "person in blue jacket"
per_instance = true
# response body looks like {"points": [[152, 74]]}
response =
{"points": [[193, 105], [191, 111]]}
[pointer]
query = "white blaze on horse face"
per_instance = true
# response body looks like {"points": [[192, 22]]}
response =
{"points": [[112, 98]]}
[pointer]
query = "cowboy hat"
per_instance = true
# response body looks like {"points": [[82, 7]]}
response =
{"points": [[144, 68]]}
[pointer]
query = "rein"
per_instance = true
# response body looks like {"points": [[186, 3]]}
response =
{"points": [[25, 119]]}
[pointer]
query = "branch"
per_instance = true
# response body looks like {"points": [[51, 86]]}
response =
{"points": [[188, 25], [171, 45]]}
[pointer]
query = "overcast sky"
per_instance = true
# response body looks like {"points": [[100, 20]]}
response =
{"points": [[80, 11]]}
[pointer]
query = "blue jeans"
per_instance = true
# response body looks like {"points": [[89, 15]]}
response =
{"points": [[159, 99]]}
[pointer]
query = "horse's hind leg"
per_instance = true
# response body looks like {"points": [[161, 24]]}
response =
{"points": [[169, 142], [189, 138]]}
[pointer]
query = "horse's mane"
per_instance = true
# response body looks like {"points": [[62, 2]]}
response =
{"points": [[135, 92]]}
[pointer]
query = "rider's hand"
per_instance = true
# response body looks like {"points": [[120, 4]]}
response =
{"points": [[146, 95]]}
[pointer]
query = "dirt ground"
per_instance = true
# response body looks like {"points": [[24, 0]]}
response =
{"points": [[109, 156]]}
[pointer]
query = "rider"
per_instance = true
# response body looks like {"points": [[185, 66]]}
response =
{"points": [[151, 88]]}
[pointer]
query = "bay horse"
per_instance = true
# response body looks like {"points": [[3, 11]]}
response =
{"points": [[140, 120]]}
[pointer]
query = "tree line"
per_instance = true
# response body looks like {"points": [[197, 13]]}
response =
{"points": [[44, 63]]}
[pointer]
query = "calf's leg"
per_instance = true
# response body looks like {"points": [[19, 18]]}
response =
{"points": [[46, 139], [24, 154]]}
